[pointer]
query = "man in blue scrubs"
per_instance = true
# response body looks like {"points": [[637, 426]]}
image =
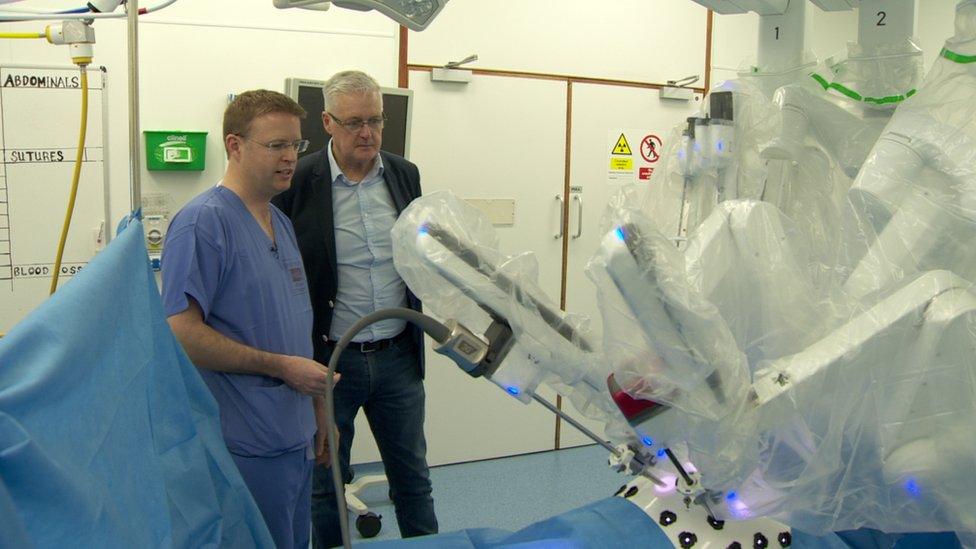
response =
{"points": [[237, 299]]}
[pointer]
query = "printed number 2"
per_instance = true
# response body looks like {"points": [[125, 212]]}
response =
{"points": [[881, 19], [777, 32]]}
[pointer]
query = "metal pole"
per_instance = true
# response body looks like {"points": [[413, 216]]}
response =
{"points": [[596, 438], [591, 435], [107, 228], [135, 158]]}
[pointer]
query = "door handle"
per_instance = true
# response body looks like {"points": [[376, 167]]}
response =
{"points": [[559, 234], [579, 216]]}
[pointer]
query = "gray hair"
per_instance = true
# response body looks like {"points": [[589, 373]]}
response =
{"points": [[347, 82]]}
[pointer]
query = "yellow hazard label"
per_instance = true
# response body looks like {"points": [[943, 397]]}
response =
{"points": [[622, 147], [621, 164]]}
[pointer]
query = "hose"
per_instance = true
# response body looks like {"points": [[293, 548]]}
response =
{"points": [[430, 326], [13, 9], [10, 15], [22, 35], [74, 179]]}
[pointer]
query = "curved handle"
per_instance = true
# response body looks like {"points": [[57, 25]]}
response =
{"points": [[559, 198], [579, 215]]}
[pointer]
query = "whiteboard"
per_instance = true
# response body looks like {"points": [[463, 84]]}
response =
{"points": [[40, 110]]}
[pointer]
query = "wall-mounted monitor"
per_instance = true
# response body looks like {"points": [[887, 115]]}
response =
{"points": [[397, 104]]}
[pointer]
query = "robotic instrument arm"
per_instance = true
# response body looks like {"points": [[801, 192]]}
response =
{"points": [[528, 341], [891, 446], [917, 193]]}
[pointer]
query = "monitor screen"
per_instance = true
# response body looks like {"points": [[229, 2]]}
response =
{"points": [[397, 104]]}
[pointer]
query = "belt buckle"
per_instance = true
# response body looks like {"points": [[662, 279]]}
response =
{"points": [[364, 347]]}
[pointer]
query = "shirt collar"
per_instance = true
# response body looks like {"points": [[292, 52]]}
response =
{"points": [[374, 172]]}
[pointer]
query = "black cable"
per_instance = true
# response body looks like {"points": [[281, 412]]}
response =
{"points": [[677, 465], [430, 326]]}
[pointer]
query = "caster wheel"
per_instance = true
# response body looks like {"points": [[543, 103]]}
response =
{"points": [[369, 524]]}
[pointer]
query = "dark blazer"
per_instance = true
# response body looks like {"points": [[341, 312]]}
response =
{"points": [[309, 205]]}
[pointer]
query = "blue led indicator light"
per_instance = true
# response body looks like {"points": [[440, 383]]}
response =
{"points": [[513, 390], [619, 233], [720, 145], [912, 487], [648, 441], [731, 496], [661, 453], [422, 230]]}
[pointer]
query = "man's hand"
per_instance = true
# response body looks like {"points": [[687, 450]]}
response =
{"points": [[304, 375], [322, 450]]}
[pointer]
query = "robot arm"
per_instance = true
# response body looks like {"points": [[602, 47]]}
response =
{"points": [[866, 425], [917, 192], [823, 436], [447, 253]]}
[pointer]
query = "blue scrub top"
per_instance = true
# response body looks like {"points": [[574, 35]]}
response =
{"points": [[253, 291]]}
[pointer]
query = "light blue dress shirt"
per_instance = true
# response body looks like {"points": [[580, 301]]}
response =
{"points": [[364, 214]]}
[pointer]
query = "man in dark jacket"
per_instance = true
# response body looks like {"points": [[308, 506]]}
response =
{"points": [[343, 202]]}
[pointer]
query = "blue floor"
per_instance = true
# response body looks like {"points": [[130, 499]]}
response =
{"points": [[507, 493]]}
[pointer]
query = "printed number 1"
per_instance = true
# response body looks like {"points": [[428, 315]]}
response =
{"points": [[881, 19], [777, 33]]}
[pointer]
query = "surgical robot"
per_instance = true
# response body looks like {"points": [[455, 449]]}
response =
{"points": [[752, 382], [755, 138], [862, 385]]}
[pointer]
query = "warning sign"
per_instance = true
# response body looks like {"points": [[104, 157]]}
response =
{"points": [[650, 148], [622, 147], [626, 168], [621, 164]]}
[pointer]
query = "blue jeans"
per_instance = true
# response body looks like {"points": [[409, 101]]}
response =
{"points": [[387, 385]]}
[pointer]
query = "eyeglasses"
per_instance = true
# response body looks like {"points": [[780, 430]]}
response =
{"points": [[355, 124], [278, 147]]}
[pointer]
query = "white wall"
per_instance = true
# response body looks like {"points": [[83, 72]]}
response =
{"points": [[934, 23], [194, 53], [642, 40]]}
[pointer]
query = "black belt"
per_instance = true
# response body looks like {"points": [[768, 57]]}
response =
{"points": [[372, 346]]}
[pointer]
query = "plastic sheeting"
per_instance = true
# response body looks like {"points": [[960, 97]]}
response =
{"points": [[108, 436], [716, 161], [448, 254], [853, 328]]}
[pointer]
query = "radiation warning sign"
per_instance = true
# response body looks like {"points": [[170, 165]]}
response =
{"points": [[621, 164], [622, 147], [625, 167]]}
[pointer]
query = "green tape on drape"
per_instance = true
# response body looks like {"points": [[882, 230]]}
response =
{"points": [[858, 97], [957, 58]]}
